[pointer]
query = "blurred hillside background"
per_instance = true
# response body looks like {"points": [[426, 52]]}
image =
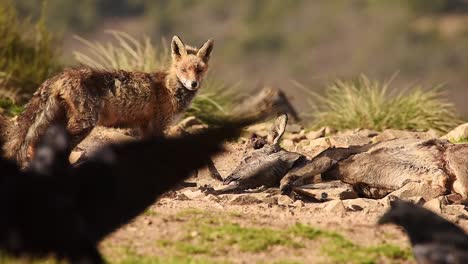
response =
{"points": [[281, 42]]}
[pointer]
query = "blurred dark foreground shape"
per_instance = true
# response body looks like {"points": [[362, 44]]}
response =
{"points": [[434, 239], [55, 209]]}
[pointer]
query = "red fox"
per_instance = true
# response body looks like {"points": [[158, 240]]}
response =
{"points": [[82, 98]]}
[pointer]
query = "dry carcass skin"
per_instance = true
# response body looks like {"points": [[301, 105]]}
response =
{"points": [[390, 165]]}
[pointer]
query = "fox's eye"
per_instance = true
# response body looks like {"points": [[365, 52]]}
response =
{"points": [[199, 70], [184, 70]]}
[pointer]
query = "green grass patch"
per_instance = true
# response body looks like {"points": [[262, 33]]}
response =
{"points": [[215, 235], [128, 256], [10, 108], [341, 250], [366, 104]]}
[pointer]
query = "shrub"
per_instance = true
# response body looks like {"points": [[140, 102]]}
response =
{"points": [[27, 54], [363, 103], [130, 54]]}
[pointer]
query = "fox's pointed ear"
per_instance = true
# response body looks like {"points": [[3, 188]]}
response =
{"points": [[205, 51], [177, 48]]}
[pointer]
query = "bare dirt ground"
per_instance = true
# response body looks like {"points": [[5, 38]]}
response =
{"points": [[187, 226]]}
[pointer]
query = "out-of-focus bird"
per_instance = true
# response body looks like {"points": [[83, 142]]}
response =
{"points": [[434, 239], [53, 208]]}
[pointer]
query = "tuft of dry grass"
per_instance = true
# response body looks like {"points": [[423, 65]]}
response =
{"points": [[124, 53], [368, 104]]}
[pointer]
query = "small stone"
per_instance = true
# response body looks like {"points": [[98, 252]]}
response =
{"points": [[335, 206], [182, 197], [315, 134], [193, 194], [212, 198], [390, 134], [459, 133], [360, 204], [148, 222], [434, 205], [298, 204], [285, 200], [458, 210], [271, 200], [346, 141], [453, 198], [244, 200]]}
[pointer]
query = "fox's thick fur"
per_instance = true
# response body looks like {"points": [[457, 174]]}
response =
{"points": [[83, 98]]}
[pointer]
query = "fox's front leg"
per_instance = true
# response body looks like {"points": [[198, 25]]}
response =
{"points": [[305, 170], [151, 130]]}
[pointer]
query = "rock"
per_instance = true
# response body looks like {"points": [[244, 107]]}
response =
{"points": [[193, 194], [285, 200], [458, 210], [271, 200], [390, 134], [459, 133], [75, 156], [453, 198], [360, 204], [182, 197], [212, 198], [317, 146], [367, 133], [298, 204], [315, 134], [346, 141], [434, 205], [245, 200], [335, 206]]}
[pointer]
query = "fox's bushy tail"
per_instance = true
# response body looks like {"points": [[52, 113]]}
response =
{"points": [[40, 113]]}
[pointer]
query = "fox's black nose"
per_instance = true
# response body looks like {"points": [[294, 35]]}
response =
{"points": [[194, 84]]}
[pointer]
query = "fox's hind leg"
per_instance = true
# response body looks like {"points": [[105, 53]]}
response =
{"points": [[82, 118]]}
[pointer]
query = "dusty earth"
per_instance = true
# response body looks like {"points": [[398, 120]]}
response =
{"points": [[187, 226]]}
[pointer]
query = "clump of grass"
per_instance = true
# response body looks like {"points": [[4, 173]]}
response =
{"points": [[124, 53], [10, 108], [27, 54], [128, 53], [363, 103]]}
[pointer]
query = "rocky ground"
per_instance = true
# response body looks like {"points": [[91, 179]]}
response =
{"points": [[188, 226]]}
